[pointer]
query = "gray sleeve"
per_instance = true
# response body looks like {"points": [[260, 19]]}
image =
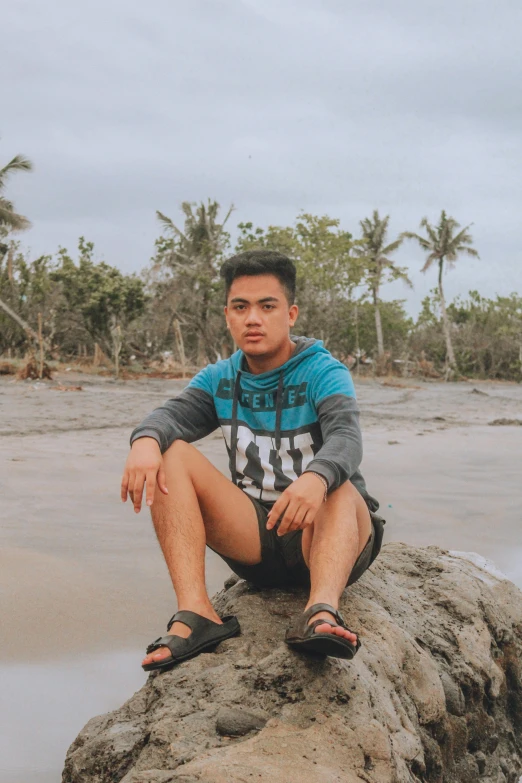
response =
{"points": [[341, 453], [189, 416]]}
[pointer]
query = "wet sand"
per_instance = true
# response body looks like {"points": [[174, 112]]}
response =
{"points": [[83, 587]]}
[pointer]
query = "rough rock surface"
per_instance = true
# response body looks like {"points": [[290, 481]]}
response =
{"points": [[434, 694]]}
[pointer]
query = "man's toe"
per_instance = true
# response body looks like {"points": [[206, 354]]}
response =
{"points": [[337, 630], [324, 628], [157, 655], [347, 635]]}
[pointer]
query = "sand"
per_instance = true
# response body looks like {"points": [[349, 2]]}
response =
{"points": [[81, 576]]}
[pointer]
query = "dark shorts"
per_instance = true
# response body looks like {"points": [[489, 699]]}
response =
{"points": [[282, 562]]}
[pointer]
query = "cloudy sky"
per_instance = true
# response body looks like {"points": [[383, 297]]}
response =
{"points": [[331, 106]]}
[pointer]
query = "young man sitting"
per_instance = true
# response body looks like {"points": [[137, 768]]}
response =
{"points": [[296, 511]]}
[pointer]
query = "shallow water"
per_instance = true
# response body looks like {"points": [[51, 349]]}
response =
{"points": [[48, 704]]}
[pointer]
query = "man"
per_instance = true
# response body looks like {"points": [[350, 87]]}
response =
{"points": [[297, 511]]}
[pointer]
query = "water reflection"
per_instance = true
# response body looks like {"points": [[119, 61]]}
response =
{"points": [[48, 704]]}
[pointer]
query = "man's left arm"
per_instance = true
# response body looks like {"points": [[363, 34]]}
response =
{"points": [[341, 452], [333, 396]]}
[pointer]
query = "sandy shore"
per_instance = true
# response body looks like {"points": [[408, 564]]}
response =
{"points": [[81, 575]]}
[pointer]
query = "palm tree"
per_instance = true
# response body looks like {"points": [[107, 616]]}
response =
{"points": [[12, 221], [443, 243], [9, 219], [375, 255], [194, 254]]}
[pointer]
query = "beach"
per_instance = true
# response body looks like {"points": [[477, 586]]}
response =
{"points": [[83, 587]]}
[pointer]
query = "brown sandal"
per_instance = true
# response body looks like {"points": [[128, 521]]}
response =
{"points": [[205, 636], [302, 636]]}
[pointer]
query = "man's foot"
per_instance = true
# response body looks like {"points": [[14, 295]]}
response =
{"points": [[327, 628], [321, 630], [182, 630]]}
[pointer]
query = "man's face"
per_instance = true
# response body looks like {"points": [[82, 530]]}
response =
{"points": [[258, 314]]}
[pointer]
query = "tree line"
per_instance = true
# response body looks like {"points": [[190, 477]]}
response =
{"points": [[76, 305]]}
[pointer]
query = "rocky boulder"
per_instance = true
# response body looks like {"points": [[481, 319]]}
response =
{"points": [[434, 694]]}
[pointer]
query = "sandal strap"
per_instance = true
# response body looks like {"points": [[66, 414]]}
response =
{"points": [[194, 621], [303, 629], [204, 633], [310, 628], [324, 608], [166, 641]]}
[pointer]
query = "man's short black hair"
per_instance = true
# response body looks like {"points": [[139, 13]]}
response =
{"points": [[261, 262]]}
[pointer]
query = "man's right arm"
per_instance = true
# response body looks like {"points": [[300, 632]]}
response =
{"points": [[189, 417]]}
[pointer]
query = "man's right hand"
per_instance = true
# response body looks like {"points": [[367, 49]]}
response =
{"points": [[144, 466]]}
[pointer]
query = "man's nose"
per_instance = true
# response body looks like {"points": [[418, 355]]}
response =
{"points": [[254, 317]]}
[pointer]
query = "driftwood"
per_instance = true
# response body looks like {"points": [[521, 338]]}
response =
{"points": [[32, 371]]}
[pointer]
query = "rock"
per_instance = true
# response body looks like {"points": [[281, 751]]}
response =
{"points": [[454, 697], [434, 694], [232, 580], [234, 722], [505, 423]]}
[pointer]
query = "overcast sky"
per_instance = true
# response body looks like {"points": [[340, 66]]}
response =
{"points": [[331, 106]]}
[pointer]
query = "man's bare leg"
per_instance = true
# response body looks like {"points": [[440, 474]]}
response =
{"points": [[202, 507], [331, 546]]}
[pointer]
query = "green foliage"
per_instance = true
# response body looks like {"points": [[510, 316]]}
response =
{"points": [[99, 294], [443, 243], [177, 303], [359, 331], [184, 279], [10, 220], [486, 334], [79, 302], [26, 287], [378, 267]]}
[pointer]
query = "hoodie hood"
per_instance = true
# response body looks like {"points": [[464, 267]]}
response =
{"points": [[305, 347]]}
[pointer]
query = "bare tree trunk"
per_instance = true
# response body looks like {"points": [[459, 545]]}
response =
{"points": [[450, 354], [20, 321], [40, 340], [378, 323], [10, 275], [201, 353], [357, 347], [180, 346], [117, 342]]}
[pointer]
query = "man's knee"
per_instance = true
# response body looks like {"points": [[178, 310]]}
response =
{"points": [[346, 494], [178, 452]]}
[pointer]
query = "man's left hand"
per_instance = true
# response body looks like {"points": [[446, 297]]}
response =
{"points": [[298, 504]]}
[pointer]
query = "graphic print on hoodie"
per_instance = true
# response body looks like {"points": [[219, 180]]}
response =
{"points": [[277, 425]]}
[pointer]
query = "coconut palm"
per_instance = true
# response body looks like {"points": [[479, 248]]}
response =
{"points": [[193, 254], [444, 242], [379, 267], [9, 219]]}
